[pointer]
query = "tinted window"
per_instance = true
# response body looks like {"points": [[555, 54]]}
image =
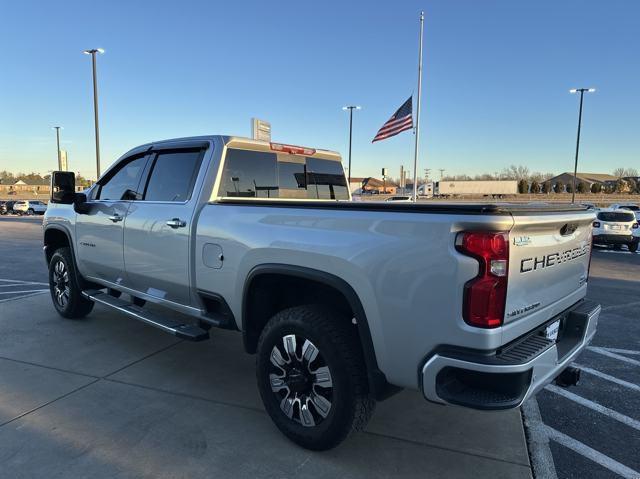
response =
{"points": [[126, 178], [326, 179], [173, 176], [616, 216], [254, 174], [630, 207], [249, 174]]}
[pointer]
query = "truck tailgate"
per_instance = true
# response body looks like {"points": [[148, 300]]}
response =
{"points": [[549, 258]]}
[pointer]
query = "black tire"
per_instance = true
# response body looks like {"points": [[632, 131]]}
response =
{"points": [[633, 247], [30, 212], [335, 340], [64, 284]]}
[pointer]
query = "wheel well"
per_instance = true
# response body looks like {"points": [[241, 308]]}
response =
{"points": [[53, 240], [270, 293], [270, 288]]}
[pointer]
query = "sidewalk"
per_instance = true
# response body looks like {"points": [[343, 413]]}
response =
{"points": [[108, 396]]}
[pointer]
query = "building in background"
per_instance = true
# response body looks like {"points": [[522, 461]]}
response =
{"points": [[588, 178], [372, 186]]}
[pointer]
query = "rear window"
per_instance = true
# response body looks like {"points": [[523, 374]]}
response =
{"points": [[621, 216], [258, 174], [630, 207]]}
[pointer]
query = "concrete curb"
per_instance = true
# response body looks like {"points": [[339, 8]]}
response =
{"points": [[540, 456]]}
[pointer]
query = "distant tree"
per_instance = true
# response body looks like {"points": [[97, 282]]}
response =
{"points": [[535, 187], [596, 188], [546, 187], [582, 187], [619, 172], [515, 173], [609, 187], [523, 186], [569, 187], [630, 172], [559, 187]]}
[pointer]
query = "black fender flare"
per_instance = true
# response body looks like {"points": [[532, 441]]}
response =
{"points": [[378, 383], [63, 230]]}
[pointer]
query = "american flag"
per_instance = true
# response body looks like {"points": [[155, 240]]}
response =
{"points": [[401, 120]]}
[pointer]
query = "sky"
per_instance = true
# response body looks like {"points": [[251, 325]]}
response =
{"points": [[496, 81]]}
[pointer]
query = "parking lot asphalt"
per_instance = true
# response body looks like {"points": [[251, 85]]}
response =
{"points": [[107, 396], [595, 427]]}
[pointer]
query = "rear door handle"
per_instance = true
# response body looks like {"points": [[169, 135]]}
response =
{"points": [[176, 223], [116, 217]]}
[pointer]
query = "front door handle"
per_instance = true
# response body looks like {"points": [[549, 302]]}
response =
{"points": [[176, 223], [116, 217]]}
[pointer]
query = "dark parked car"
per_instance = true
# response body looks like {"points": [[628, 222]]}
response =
{"points": [[6, 207]]}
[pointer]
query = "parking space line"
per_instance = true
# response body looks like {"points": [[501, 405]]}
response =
{"points": [[27, 291], [20, 285], [605, 352], [623, 351], [626, 420], [595, 456], [607, 377], [23, 296], [22, 282]]}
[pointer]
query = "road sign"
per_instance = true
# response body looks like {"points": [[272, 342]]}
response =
{"points": [[64, 163], [260, 130]]}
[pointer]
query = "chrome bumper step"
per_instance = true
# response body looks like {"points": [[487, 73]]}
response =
{"points": [[169, 325]]}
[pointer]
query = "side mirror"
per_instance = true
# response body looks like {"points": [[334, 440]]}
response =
{"points": [[80, 203], [63, 187]]}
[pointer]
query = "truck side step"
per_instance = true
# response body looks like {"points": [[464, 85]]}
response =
{"points": [[178, 328]]}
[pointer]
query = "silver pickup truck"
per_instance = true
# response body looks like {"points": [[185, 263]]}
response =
{"points": [[344, 303]]}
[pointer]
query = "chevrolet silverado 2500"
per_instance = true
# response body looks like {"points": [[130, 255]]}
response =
{"points": [[343, 303]]}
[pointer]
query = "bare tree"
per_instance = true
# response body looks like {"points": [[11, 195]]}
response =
{"points": [[619, 172], [630, 172], [515, 173]]}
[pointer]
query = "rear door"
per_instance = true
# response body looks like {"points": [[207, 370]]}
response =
{"points": [[548, 261], [158, 228]]}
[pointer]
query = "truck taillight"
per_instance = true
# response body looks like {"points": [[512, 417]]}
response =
{"points": [[596, 224], [486, 294], [292, 149]]}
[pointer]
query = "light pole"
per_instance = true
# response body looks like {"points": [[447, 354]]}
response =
{"points": [[575, 167], [93, 53], [57, 128], [350, 108]]}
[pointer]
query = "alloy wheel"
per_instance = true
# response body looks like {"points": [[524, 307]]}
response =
{"points": [[61, 286], [301, 380]]}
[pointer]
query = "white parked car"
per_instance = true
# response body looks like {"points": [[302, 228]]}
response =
{"points": [[616, 227], [30, 207], [628, 206]]}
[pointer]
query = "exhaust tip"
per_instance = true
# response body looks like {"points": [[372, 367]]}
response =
{"points": [[568, 377]]}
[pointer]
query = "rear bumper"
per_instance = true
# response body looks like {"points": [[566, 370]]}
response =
{"points": [[506, 378], [614, 239]]}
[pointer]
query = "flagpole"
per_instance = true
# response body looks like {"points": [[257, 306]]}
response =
{"points": [[415, 158]]}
